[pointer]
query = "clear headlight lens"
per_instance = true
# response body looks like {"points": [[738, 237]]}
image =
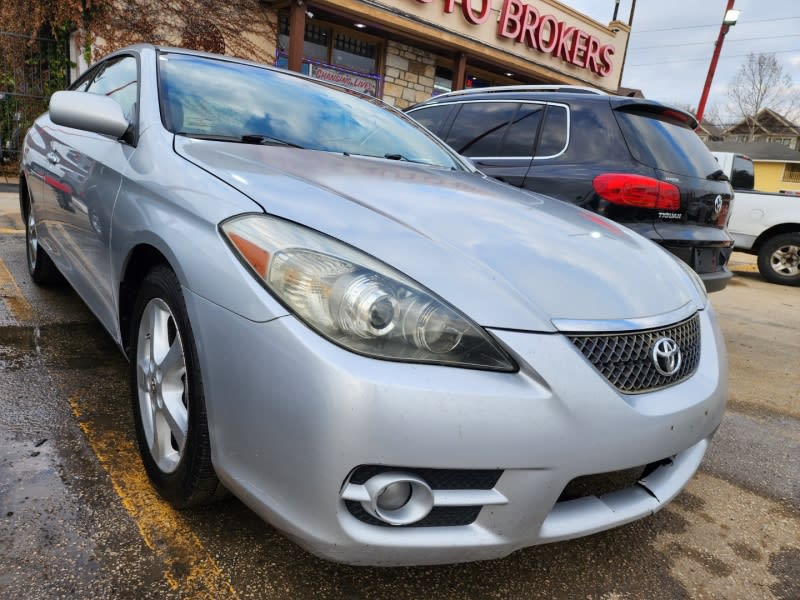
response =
{"points": [[355, 300]]}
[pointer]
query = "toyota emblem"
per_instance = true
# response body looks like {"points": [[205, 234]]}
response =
{"points": [[717, 204], [666, 356]]}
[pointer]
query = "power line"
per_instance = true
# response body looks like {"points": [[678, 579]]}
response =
{"points": [[713, 25], [711, 43], [680, 60]]}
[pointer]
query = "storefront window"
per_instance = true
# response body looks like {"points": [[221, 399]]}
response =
{"points": [[316, 42], [443, 82], [473, 81], [354, 54], [321, 43]]}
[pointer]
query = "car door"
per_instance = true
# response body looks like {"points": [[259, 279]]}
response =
{"points": [[497, 136], [85, 174], [566, 176]]}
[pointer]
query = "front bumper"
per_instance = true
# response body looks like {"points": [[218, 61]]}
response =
{"points": [[291, 416]]}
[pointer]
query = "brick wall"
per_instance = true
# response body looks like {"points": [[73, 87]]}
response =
{"points": [[409, 75]]}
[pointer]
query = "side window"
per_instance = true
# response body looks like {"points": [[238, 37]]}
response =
{"points": [[118, 79], [432, 118], [480, 126], [743, 176], [83, 82], [521, 134], [554, 135]]}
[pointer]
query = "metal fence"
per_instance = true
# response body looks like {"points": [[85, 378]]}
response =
{"points": [[31, 69]]}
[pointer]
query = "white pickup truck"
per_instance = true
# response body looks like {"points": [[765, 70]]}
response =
{"points": [[764, 224]]}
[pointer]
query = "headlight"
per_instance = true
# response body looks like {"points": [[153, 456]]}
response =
{"points": [[357, 301]]}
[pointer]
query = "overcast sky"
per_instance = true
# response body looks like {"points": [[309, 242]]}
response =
{"points": [[672, 42]]}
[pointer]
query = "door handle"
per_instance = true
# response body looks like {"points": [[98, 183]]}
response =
{"points": [[52, 157]]}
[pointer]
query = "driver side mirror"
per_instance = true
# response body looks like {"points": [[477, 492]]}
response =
{"points": [[88, 112]]}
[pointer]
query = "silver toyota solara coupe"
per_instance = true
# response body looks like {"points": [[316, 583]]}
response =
{"points": [[388, 356]]}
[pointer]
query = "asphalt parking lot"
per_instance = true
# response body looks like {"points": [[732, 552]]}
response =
{"points": [[78, 518]]}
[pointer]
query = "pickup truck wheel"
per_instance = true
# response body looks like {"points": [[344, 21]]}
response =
{"points": [[779, 259]]}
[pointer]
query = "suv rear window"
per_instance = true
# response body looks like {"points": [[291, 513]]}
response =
{"points": [[664, 144]]}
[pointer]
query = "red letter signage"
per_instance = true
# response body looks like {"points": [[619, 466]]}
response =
{"points": [[523, 23]]}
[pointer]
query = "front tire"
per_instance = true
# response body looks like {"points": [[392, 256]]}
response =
{"points": [[40, 266], [167, 394], [779, 259]]}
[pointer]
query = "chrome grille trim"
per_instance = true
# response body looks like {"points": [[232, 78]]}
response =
{"points": [[638, 324], [624, 359]]}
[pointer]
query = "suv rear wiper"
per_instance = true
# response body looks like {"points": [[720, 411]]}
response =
{"points": [[718, 175]]}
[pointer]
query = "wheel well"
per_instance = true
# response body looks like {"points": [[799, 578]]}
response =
{"points": [[773, 231], [23, 197], [141, 260]]}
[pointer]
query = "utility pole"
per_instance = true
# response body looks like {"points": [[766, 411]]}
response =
{"points": [[727, 22]]}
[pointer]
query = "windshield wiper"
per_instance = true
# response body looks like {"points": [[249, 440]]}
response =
{"points": [[392, 156], [248, 138], [258, 138], [718, 175], [208, 136]]}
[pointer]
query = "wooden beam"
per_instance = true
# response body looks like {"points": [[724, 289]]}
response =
{"points": [[460, 72], [297, 34]]}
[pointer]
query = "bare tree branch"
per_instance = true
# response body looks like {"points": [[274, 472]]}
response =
{"points": [[761, 83]]}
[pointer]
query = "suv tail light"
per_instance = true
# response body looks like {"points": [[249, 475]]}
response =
{"points": [[637, 190], [722, 218]]}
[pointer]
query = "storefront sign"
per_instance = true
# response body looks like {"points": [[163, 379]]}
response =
{"points": [[523, 23], [361, 83]]}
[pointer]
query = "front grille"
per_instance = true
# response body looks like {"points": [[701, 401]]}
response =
{"points": [[440, 516], [605, 483], [625, 359]]}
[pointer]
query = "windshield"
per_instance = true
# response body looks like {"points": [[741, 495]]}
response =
{"points": [[661, 143], [217, 99]]}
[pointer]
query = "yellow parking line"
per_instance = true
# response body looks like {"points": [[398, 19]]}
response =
{"points": [[11, 231], [744, 268], [17, 305], [189, 568]]}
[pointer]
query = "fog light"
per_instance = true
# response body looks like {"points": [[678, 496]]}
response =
{"points": [[394, 496], [397, 498]]}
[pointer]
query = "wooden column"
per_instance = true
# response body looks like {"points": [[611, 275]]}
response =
{"points": [[297, 34], [460, 72]]}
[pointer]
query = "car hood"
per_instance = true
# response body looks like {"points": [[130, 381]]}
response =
{"points": [[507, 258]]}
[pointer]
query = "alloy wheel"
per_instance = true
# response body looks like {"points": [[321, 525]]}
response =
{"points": [[33, 240], [162, 385], [785, 260]]}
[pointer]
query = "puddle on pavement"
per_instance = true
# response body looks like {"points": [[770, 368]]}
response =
{"points": [[63, 346], [35, 506]]}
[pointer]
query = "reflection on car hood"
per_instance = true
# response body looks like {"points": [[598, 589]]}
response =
{"points": [[507, 258]]}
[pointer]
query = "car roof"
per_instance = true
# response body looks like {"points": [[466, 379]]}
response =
{"points": [[563, 94]]}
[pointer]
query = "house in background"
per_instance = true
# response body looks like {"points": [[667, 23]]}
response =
{"points": [[766, 126], [776, 166], [708, 132]]}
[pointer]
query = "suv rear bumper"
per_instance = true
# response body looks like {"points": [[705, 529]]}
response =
{"points": [[715, 282], [709, 262]]}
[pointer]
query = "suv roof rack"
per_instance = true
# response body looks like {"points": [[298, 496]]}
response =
{"points": [[573, 89]]}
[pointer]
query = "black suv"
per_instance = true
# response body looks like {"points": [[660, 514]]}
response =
{"points": [[632, 160]]}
